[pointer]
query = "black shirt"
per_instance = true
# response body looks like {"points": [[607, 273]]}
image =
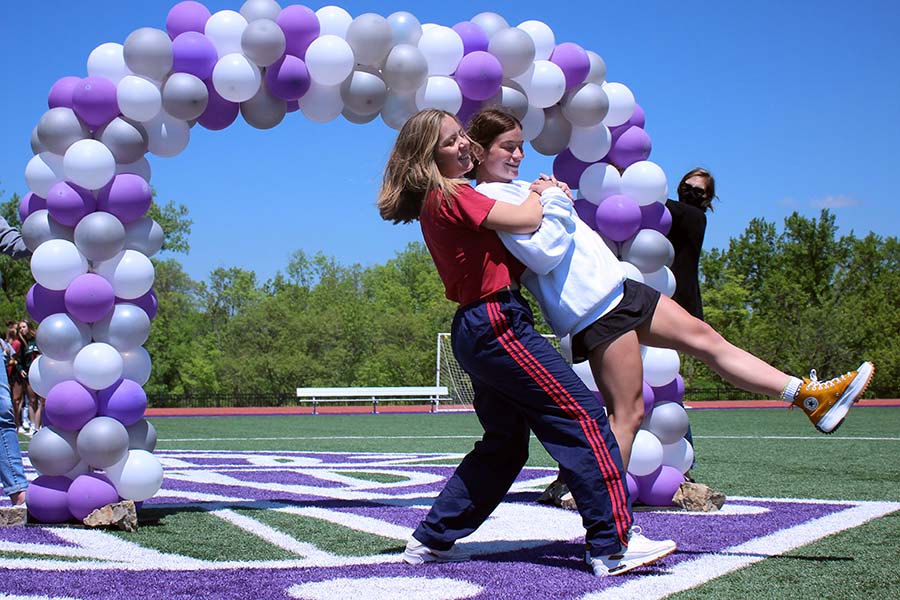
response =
{"points": [[686, 236]]}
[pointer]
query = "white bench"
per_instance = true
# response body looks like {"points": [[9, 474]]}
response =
{"points": [[317, 395]]}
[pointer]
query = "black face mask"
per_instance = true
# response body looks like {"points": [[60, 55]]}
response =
{"points": [[692, 195]]}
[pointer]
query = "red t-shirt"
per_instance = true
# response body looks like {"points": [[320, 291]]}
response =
{"points": [[470, 259]]}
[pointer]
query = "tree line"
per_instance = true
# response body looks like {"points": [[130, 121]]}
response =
{"points": [[799, 298]]}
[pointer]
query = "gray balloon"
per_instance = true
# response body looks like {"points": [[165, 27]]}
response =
{"points": [[554, 137], [512, 97], [364, 92], [127, 327], [39, 227], [185, 96], [142, 436], [648, 250], [597, 74], [264, 111], [405, 28], [585, 105], [253, 10], [370, 36], [52, 451], [490, 22], [126, 139], [102, 442], [358, 119], [59, 128], [99, 236], [397, 110], [61, 337], [263, 42], [36, 146], [148, 51], [514, 49], [405, 69], [144, 235]]}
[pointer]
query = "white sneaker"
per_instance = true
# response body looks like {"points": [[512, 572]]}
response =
{"points": [[640, 551], [417, 553]]}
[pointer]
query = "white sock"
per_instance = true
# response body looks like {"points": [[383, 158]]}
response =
{"points": [[791, 389]]}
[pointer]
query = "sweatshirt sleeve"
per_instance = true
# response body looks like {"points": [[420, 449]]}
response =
{"points": [[543, 250], [11, 242]]}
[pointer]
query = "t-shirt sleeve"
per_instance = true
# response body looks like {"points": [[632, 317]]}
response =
{"points": [[472, 207]]}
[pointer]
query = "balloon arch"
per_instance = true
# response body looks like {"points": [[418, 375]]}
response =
{"points": [[85, 216]]}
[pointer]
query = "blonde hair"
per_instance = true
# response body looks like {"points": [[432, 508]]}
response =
{"points": [[411, 172]]}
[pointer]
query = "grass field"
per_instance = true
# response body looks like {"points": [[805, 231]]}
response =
{"points": [[743, 453]]}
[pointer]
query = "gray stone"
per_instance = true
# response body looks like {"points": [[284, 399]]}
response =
{"points": [[558, 494], [121, 515], [13, 515], [697, 497]]}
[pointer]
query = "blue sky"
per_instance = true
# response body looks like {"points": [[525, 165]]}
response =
{"points": [[791, 105]]}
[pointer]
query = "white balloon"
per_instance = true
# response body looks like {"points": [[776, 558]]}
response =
{"points": [[443, 49], [55, 263], [138, 476], [631, 271], [533, 123], [333, 20], [322, 103], [661, 365], [97, 366], [661, 280], [166, 135], [43, 171], [646, 454], [600, 181], [139, 98], [136, 365], [224, 29], [89, 163], [329, 59], [439, 92], [130, 273], [668, 421], [235, 78], [645, 183], [621, 103], [108, 60], [583, 370], [46, 372], [590, 144], [544, 84], [679, 455], [542, 35]]}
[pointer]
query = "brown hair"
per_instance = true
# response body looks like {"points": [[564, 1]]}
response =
{"points": [[488, 124], [706, 202], [411, 172]]}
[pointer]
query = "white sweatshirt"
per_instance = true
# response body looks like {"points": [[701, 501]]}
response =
{"points": [[573, 274]]}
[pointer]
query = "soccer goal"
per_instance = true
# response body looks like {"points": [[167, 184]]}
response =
{"points": [[449, 373]]}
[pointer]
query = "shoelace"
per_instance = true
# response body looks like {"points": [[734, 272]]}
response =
{"points": [[635, 531], [815, 384]]}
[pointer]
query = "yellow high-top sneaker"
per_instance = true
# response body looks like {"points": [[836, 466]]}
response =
{"points": [[826, 403]]}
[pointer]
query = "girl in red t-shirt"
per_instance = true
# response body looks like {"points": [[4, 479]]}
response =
{"points": [[521, 382]]}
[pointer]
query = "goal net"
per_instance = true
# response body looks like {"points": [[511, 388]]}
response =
{"points": [[449, 373]]}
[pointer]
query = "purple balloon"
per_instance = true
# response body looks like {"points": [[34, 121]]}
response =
{"points": [[41, 302], [656, 216], [194, 53], [186, 16], [618, 217], [568, 169], [293, 106], [632, 485], [631, 146], [473, 37], [148, 303], [61, 92], [587, 211], [467, 110], [573, 61], [29, 204], [219, 113], [288, 78], [47, 500], [479, 75], [90, 492], [300, 26], [671, 392], [68, 203], [89, 298], [649, 397], [94, 101], [658, 488], [124, 401], [70, 405], [127, 197]]}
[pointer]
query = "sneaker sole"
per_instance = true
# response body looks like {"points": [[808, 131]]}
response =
{"points": [[835, 416], [642, 562]]}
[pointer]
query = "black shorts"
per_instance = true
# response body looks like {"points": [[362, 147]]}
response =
{"points": [[638, 304]]}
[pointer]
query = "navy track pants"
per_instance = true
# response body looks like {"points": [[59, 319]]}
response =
{"points": [[521, 382]]}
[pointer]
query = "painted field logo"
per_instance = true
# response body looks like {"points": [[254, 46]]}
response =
{"points": [[331, 525]]}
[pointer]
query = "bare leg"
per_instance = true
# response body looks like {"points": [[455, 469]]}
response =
{"points": [[17, 498], [37, 408], [618, 373], [17, 397], [672, 327]]}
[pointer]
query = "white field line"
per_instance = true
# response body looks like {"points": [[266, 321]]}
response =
{"points": [[830, 438]]}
